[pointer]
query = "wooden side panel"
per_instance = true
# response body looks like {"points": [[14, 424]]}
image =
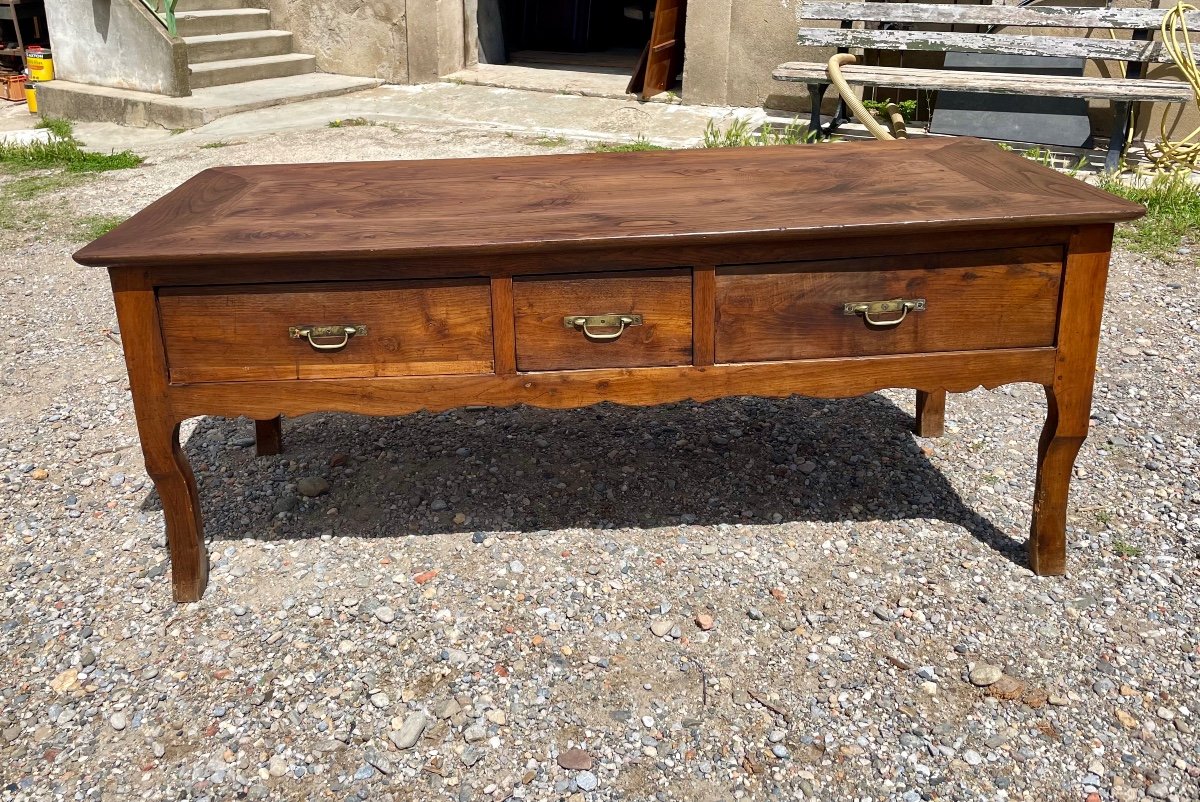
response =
{"points": [[240, 333], [663, 298], [983, 300]]}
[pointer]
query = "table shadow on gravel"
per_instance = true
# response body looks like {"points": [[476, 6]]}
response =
{"points": [[737, 460]]}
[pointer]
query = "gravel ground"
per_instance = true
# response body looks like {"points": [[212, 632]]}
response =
{"points": [[748, 599]]}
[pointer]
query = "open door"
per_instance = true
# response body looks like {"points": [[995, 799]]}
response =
{"points": [[663, 57]]}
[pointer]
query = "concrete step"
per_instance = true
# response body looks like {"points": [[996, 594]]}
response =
{"points": [[208, 5], [87, 103], [240, 70], [225, 20], [226, 46]]}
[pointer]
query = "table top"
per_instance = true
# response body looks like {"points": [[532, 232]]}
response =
{"points": [[370, 210]]}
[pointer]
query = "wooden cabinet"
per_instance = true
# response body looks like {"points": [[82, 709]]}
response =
{"points": [[547, 281]]}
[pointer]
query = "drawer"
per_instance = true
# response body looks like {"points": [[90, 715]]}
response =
{"points": [[972, 301], [657, 306], [242, 333]]}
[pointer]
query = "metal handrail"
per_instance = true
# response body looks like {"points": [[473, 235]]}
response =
{"points": [[164, 11]]}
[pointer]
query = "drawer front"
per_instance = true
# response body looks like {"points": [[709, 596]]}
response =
{"points": [[659, 303], [242, 333], [972, 301]]}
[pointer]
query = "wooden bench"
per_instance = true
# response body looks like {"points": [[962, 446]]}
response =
{"points": [[889, 26]]}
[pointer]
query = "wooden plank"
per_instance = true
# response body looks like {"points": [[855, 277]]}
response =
{"points": [[993, 82], [662, 298], [240, 333], [989, 299], [704, 310], [555, 207], [664, 52], [819, 378], [931, 413], [1023, 16], [1011, 44]]}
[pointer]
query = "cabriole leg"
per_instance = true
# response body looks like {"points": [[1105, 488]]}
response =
{"points": [[168, 467], [1062, 436]]}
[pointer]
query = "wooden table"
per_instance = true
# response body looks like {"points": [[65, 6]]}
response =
{"points": [[644, 278]]}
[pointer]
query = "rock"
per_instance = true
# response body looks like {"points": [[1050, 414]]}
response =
{"points": [[1159, 791], [1127, 720], [39, 474], [312, 486], [380, 700], [410, 732], [87, 657], [985, 674], [277, 766], [807, 467], [929, 688], [789, 624], [446, 708], [780, 751], [474, 733], [459, 518], [118, 721], [660, 627], [385, 614], [754, 614], [437, 505], [65, 681], [424, 577], [972, 758], [575, 759], [586, 781], [12, 733], [381, 763], [1006, 688], [365, 772], [470, 756], [884, 614], [704, 621]]}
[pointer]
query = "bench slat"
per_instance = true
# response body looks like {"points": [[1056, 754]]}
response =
{"points": [[1024, 16], [1010, 44], [1002, 83]]}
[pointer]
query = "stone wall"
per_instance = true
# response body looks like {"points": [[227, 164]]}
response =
{"points": [[116, 43], [350, 37]]}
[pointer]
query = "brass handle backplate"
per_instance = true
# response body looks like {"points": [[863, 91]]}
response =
{"points": [[869, 308], [340, 335], [586, 324]]}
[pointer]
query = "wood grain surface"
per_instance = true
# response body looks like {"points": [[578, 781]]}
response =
{"points": [[1023, 16], [343, 214], [240, 333], [663, 298], [975, 301]]}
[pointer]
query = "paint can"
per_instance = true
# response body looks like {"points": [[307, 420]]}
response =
{"points": [[40, 63]]}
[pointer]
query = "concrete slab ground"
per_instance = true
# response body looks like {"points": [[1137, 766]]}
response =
{"points": [[555, 79]]}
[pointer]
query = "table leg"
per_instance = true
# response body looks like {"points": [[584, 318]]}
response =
{"points": [[931, 413], [168, 466], [158, 428], [1069, 397], [268, 436]]}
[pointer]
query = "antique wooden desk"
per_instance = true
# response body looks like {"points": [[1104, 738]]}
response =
{"points": [[561, 281]]}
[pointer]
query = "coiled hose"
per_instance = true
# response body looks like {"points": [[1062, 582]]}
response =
{"points": [[864, 116], [1169, 155]]}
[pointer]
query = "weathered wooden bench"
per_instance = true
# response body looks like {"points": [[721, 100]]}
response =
{"points": [[888, 26]]}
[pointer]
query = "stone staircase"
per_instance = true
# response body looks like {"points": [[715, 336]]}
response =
{"points": [[229, 43], [236, 62]]}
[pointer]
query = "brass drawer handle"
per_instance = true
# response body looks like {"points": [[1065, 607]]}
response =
{"points": [[868, 308], [314, 333], [588, 322]]}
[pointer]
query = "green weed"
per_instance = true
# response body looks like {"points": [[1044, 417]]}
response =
{"points": [[1172, 204], [1123, 549], [65, 154], [550, 141], [636, 146], [215, 145], [352, 122], [60, 128], [741, 135], [908, 108]]}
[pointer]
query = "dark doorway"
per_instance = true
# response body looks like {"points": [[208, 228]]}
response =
{"points": [[609, 36]]}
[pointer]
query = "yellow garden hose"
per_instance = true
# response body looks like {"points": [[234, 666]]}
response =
{"points": [[834, 70], [1178, 154]]}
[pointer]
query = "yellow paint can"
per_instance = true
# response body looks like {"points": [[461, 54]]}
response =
{"points": [[40, 64], [31, 97]]}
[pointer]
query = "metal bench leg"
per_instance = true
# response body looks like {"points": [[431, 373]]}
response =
{"points": [[1116, 146], [816, 93]]}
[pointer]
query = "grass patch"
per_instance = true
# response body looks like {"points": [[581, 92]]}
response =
{"points": [[741, 135], [351, 122], [97, 225], [1172, 204], [636, 146], [550, 141], [1123, 549], [908, 108], [65, 154], [215, 145], [60, 128]]}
